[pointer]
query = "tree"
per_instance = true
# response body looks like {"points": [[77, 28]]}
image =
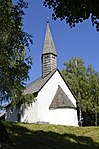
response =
{"points": [[93, 77], [75, 75], [14, 64], [84, 83], [75, 11]]}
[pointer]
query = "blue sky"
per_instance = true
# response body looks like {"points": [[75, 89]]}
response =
{"points": [[81, 41]]}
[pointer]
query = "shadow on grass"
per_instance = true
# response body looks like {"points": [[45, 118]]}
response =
{"points": [[22, 138]]}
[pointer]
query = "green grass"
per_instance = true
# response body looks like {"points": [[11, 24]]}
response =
{"points": [[44, 136]]}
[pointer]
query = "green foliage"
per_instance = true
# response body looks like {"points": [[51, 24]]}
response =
{"points": [[46, 136], [75, 11], [84, 83], [22, 99], [14, 64]]}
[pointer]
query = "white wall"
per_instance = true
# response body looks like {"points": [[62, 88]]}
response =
{"points": [[63, 117], [30, 114], [45, 97], [12, 116]]}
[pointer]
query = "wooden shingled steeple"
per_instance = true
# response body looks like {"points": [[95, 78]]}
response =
{"points": [[49, 53]]}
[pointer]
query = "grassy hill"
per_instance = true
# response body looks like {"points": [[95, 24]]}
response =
{"points": [[44, 136]]}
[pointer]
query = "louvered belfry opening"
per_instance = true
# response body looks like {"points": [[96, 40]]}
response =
{"points": [[49, 55]]}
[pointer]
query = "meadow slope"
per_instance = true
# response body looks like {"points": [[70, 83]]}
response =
{"points": [[45, 136]]}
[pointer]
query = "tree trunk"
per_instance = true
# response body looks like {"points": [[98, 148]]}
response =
{"points": [[80, 117], [3, 133]]}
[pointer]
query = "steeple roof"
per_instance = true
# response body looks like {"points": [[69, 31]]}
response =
{"points": [[49, 46]]}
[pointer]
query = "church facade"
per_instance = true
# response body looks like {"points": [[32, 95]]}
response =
{"points": [[54, 102]]}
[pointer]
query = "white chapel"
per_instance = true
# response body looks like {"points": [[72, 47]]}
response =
{"points": [[54, 101]]}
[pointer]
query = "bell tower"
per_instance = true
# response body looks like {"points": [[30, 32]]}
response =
{"points": [[49, 54]]}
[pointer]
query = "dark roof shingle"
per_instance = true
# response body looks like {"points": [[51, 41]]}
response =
{"points": [[49, 46], [36, 85], [61, 100]]}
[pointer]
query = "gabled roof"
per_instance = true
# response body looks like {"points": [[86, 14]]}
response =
{"points": [[49, 46], [37, 85], [61, 100]]}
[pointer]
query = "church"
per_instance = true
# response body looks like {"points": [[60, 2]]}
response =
{"points": [[54, 102]]}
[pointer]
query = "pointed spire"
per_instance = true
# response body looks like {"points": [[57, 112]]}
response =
{"points": [[49, 46], [49, 53]]}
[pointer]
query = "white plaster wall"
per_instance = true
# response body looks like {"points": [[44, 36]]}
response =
{"points": [[45, 97], [11, 116], [30, 114], [64, 117]]}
